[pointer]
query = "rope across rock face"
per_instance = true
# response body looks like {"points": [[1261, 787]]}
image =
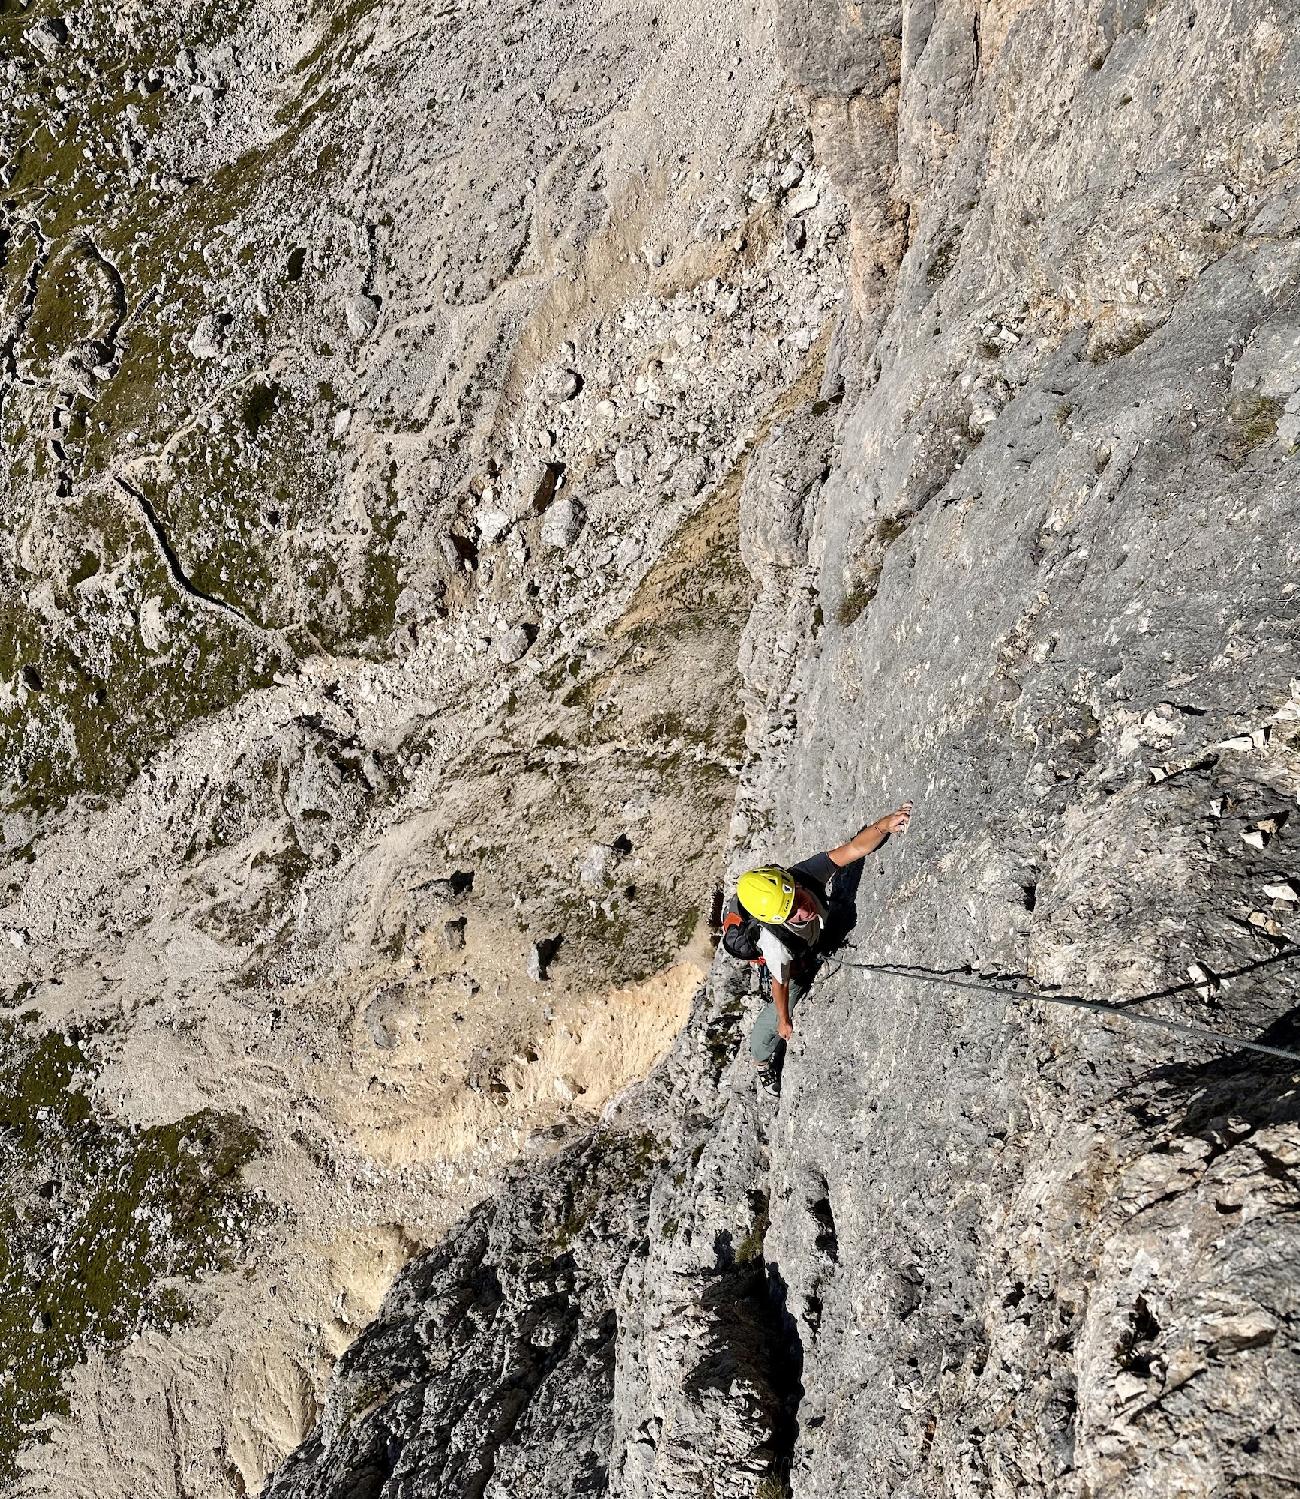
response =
{"points": [[1079, 1002]]}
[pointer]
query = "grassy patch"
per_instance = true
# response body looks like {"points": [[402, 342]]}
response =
{"points": [[100, 1222], [686, 924], [721, 1042], [626, 1163], [250, 505], [106, 701], [892, 527]]}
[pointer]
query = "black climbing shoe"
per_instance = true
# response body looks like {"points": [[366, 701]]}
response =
{"points": [[769, 1085]]}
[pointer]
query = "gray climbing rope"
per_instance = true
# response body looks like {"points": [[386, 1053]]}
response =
{"points": [[1078, 1002]]}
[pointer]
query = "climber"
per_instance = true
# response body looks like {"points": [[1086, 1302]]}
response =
{"points": [[788, 931]]}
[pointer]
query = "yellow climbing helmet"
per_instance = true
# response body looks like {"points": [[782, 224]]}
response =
{"points": [[767, 894]]}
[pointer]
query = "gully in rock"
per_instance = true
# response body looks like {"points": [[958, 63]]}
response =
{"points": [[789, 921]]}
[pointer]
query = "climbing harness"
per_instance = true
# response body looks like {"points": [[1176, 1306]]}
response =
{"points": [[1078, 1002]]}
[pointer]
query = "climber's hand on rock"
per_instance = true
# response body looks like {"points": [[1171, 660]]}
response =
{"points": [[785, 1029], [896, 822], [867, 840]]}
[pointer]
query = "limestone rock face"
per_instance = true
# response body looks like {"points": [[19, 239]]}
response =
{"points": [[1027, 555], [377, 385], [472, 483], [491, 1367]]}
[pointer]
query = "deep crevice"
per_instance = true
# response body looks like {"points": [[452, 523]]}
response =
{"points": [[785, 1371], [827, 1241], [545, 493]]}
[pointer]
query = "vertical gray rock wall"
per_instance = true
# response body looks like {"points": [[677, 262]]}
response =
{"points": [[1028, 557], [1020, 1250]]}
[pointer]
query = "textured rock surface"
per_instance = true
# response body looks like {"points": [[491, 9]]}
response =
{"points": [[376, 387], [384, 586], [1036, 569], [491, 1367]]}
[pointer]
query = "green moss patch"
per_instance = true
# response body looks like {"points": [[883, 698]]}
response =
{"points": [[619, 1165], [857, 598], [862, 590], [1115, 342], [1253, 422], [750, 1247], [941, 262]]}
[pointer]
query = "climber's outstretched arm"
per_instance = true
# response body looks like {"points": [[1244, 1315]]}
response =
{"points": [[865, 840], [781, 999]]}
